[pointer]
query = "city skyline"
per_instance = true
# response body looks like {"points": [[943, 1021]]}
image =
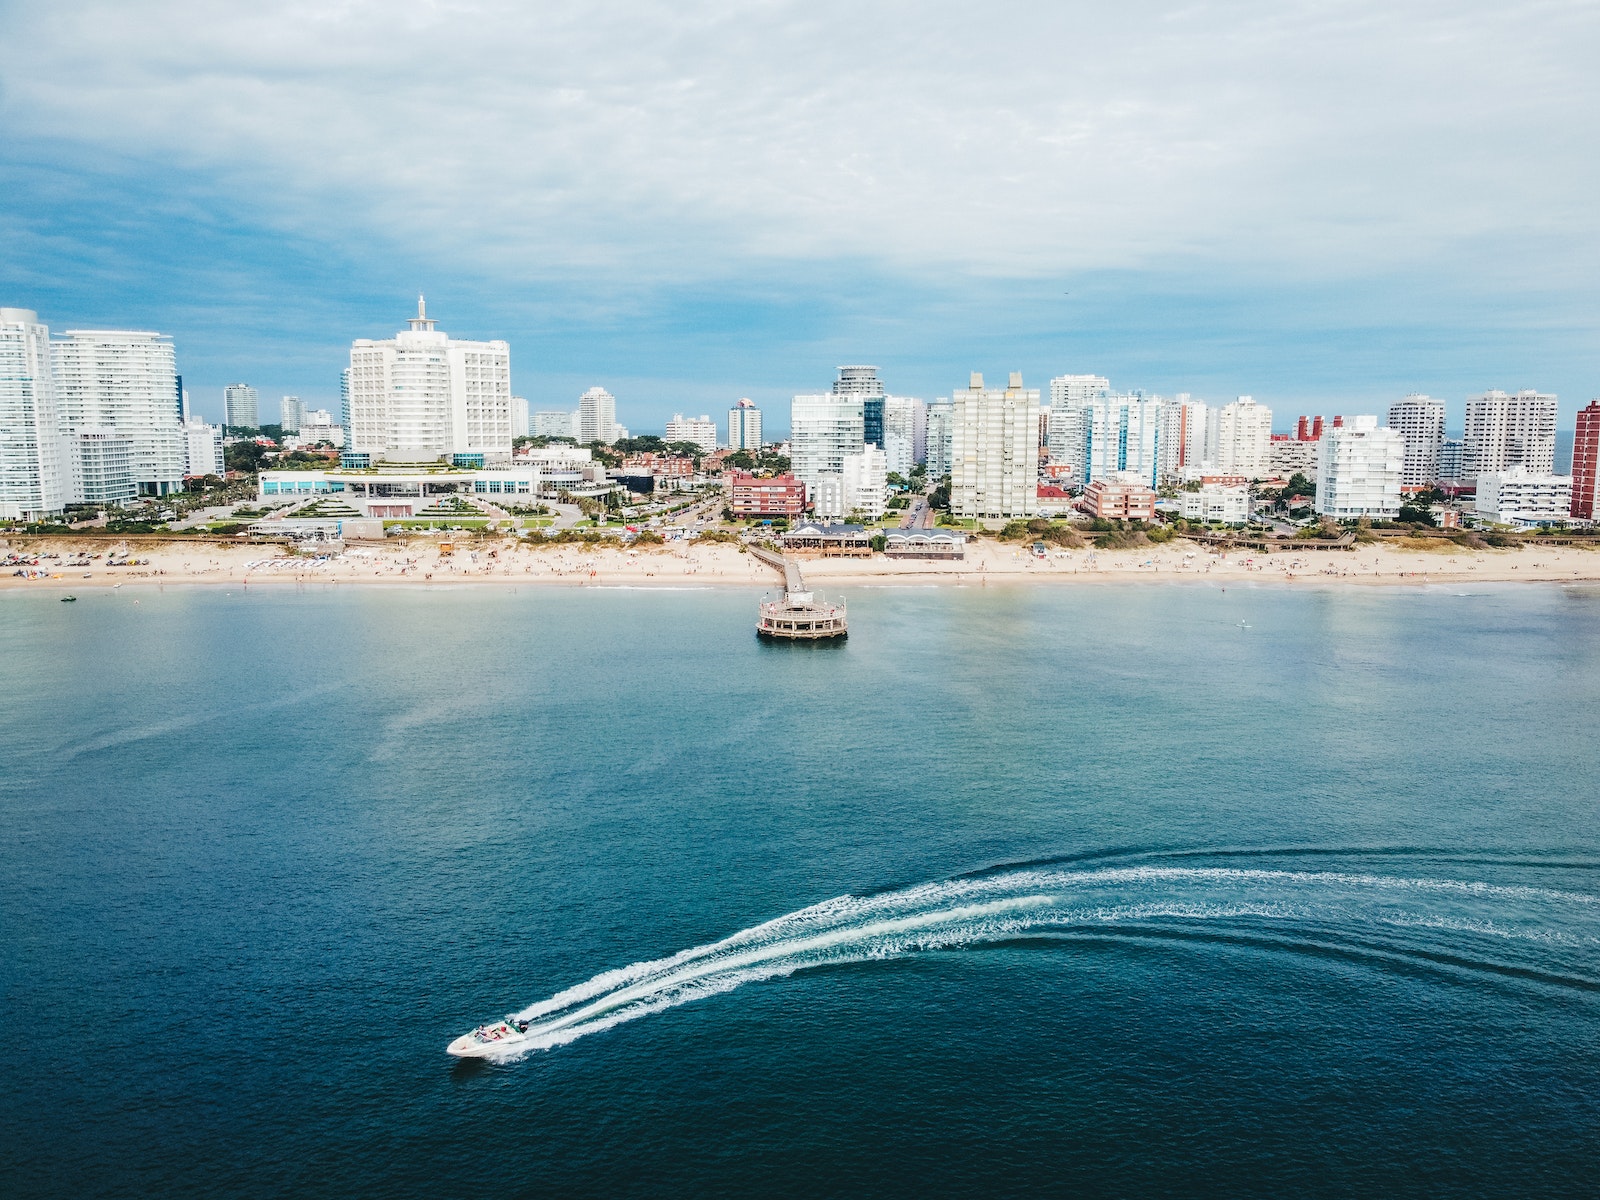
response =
{"points": [[1211, 223]]}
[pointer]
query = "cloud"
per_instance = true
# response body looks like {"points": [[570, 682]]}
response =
{"points": [[689, 141]]}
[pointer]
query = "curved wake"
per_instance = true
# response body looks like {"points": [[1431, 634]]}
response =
{"points": [[1539, 933]]}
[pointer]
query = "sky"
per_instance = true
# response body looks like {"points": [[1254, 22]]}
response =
{"points": [[1324, 205]]}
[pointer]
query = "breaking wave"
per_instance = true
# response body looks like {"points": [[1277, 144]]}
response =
{"points": [[1527, 935]]}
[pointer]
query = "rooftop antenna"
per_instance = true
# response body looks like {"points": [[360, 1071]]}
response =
{"points": [[421, 321]]}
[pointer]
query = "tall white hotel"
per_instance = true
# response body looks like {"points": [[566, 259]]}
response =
{"points": [[123, 384], [424, 395], [33, 466]]}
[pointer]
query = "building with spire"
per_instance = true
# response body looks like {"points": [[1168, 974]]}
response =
{"points": [[424, 395]]}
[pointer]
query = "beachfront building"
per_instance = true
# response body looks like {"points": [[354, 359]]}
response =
{"points": [[744, 426], [905, 433], [423, 395], [1586, 463], [401, 491], [1519, 497], [202, 446], [1505, 431], [1122, 438], [1420, 420], [240, 406], [127, 381], [866, 483], [994, 450], [827, 498], [1064, 436], [1229, 504], [766, 497], [1358, 471], [701, 431], [35, 475], [102, 467], [1238, 437], [822, 430], [940, 414], [1119, 500]]}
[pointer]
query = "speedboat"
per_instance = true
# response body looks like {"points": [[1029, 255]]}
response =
{"points": [[490, 1041]]}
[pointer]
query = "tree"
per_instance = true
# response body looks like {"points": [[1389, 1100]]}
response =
{"points": [[741, 460], [243, 456]]}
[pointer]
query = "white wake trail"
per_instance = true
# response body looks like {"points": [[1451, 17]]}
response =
{"points": [[1039, 901]]}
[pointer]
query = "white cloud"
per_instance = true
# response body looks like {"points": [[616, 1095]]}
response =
{"points": [[683, 140]]}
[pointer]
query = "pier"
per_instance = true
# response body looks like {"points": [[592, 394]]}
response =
{"points": [[799, 616]]}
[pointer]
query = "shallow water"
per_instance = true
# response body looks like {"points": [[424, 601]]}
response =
{"points": [[1068, 890]]}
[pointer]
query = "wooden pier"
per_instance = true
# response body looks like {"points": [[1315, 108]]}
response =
{"points": [[799, 616]]}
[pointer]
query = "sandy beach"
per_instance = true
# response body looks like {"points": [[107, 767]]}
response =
{"points": [[683, 564]]}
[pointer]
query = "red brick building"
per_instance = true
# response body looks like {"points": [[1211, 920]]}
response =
{"points": [[769, 496], [1586, 462]]}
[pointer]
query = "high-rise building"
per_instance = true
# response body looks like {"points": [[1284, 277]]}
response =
{"points": [[994, 472], [1064, 438], [519, 416], [344, 398], [1586, 462], [35, 475], [102, 467], [597, 417], [1074, 391], [701, 430], [863, 382], [1122, 439], [292, 414], [905, 433], [424, 395], [202, 443], [1452, 460], [240, 408], [1358, 470], [1420, 420], [941, 414], [822, 430], [865, 479], [1184, 424], [553, 424], [744, 426], [1238, 436], [1505, 431], [126, 381]]}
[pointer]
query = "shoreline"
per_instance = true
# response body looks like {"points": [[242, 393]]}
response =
{"points": [[692, 566]]}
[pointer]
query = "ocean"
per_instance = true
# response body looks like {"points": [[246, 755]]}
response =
{"points": [[1121, 890]]}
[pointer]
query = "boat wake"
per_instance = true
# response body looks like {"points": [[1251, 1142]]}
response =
{"points": [[1530, 935]]}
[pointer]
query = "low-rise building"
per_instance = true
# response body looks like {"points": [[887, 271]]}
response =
{"points": [[1112, 500], [944, 544], [766, 497], [852, 541], [399, 491], [1229, 504], [1519, 497]]}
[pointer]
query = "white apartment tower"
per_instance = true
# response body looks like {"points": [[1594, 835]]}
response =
{"points": [[1505, 431], [202, 448], [126, 381], [241, 408], [994, 450], [519, 417], [1358, 470], [1239, 436], [34, 472], [1420, 420], [1185, 424], [744, 426], [291, 413], [702, 431], [597, 417], [424, 395], [866, 484], [905, 432], [822, 430], [1074, 391]]}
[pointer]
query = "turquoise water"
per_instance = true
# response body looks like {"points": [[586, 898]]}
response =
{"points": [[1070, 890]]}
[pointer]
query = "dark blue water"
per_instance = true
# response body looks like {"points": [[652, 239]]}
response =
{"points": [[1056, 890]]}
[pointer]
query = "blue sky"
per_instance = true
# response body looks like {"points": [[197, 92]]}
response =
{"points": [[1324, 205]]}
